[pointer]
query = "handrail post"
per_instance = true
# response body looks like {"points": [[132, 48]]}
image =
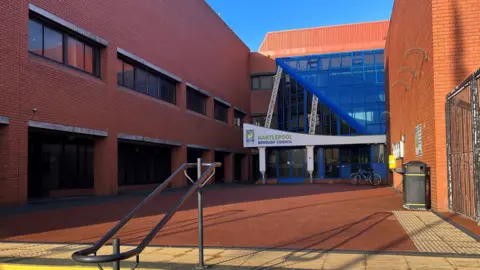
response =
{"points": [[201, 264], [116, 250]]}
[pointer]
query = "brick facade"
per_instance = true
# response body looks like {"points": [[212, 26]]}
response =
{"points": [[186, 38], [447, 31]]}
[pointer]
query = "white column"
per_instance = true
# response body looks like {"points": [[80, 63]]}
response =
{"points": [[261, 160], [310, 159]]}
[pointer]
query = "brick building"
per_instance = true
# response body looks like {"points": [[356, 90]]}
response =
{"points": [[430, 50], [101, 98]]}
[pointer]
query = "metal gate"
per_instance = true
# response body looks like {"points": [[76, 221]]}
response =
{"points": [[463, 143]]}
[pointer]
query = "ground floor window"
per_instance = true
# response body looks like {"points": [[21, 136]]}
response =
{"points": [[58, 161], [142, 164], [290, 164]]}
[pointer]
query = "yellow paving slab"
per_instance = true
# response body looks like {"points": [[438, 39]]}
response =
{"points": [[430, 233], [29, 256]]}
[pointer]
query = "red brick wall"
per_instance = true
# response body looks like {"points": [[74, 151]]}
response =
{"points": [[184, 37], [411, 27], [456, 35], [448, 31]]}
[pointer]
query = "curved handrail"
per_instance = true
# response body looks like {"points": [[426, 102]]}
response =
{"points": [[84, 255]]}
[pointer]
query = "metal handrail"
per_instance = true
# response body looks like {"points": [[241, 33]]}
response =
{"points": [[85, 255]]}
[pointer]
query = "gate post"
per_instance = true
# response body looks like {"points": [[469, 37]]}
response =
{"points": [[475, 143], [449, 153]]}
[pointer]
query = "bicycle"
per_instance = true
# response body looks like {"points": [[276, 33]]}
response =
{"points": [[365, 177]]}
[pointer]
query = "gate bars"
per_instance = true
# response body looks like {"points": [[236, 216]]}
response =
{"points": [[463, 147]]}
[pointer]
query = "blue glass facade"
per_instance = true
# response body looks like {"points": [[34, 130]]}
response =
{"points": [[350, 88]]}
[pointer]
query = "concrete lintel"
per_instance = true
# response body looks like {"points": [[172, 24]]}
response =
{"points": [[148, 64], [240, 110], [4, 120], [64, 128], [196, 146], [223, 101], [204, 92], [147, 139], [268, 73], [68, 25], [223, 150]]}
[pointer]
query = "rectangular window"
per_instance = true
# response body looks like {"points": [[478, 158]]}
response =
{"points": [[196, 101], [140, 80], [62, 47], [260, 121], [221, 112], [262, 82], [137, 78], [168, 90], [53, 44], [238, 118]]}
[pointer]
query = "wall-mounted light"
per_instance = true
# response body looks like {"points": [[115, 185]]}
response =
{"points": [[402, 82], [407, 68], [416, 50]]}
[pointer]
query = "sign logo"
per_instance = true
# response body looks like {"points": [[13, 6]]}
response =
{"points": [[250, 136]]}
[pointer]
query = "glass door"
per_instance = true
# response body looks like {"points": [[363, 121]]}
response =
{"points": [[292, 165], [332, 163]]}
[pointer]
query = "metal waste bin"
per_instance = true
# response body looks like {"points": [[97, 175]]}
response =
{"points": [[416, 186]]}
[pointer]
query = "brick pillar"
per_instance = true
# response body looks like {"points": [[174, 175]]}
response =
{"points": [[246, 167], [207, 157], [228, 167], [106, 166], [179, 156], [13, 163]]}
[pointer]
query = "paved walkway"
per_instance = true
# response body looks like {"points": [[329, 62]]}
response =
{"points": [[430, 233], [51, 256], [340, 217]]}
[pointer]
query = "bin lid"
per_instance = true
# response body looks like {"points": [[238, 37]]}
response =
{"points": [[415, 163]]}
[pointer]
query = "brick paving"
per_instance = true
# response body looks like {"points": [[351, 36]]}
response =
{"points": [[430, 233], [15, 256], [340, 217]]}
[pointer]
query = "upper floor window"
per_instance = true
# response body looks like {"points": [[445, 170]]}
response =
{"points": [[139, 78], [238, 118], [259, 120], [62, 47], [221, 111], [262, 82], [196, 101]]}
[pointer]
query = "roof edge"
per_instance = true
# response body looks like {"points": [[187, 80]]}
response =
{"points": [[327, 26]]}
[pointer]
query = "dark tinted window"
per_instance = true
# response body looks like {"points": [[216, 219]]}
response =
{"points": [[35, 37], [119, 71], [49, 42], [140, 80], [168, 90], [128, 75], [153, 85], [262, 82], [221, 112], [238, 118], [196, 101], [53, 44]]}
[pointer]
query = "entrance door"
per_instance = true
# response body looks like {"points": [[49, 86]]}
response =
{"points": [[332, 163], [292, 165]]}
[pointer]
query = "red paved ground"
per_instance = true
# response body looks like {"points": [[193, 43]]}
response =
{"points": [[293, 216]]}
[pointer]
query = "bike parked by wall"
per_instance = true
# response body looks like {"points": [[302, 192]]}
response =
{"points": [[365, 177]]}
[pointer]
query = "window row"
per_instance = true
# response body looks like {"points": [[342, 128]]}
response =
{"points": [[62, 47], [140, 79]]}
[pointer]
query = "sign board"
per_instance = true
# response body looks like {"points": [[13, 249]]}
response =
{"points": [[392, 162], [255, 136], [418, 140], [397, 149]]}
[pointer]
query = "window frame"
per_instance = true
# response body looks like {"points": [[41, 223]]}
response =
{"points": [[242, 118], [259, 78], [199, 94], [218, 104], [65, 33], [161, 79]]}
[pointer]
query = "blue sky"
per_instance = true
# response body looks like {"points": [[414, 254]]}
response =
{"points": [[252, 19]]}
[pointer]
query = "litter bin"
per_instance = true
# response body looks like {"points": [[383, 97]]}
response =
{"points": [[416, 186]]}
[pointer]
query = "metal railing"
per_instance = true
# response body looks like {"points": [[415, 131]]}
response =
{"points": [[89, 255]]}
